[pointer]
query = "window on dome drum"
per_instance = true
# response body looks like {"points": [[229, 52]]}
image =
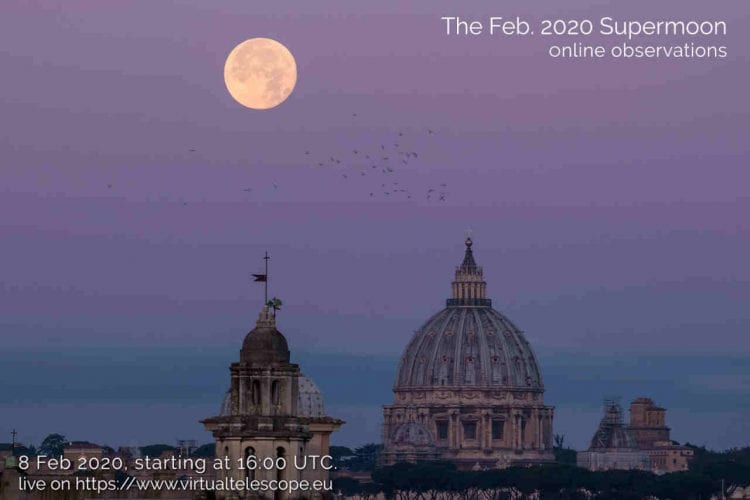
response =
{"points": [[255, 392], [275, 392], [498, 426], [442, 429], [470, 430]]}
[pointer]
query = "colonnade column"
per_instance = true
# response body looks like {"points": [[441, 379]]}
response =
{"points": [[453, 429]]}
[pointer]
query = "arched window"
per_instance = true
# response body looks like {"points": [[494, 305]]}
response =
{"points": [[255, 392], [275, 392], [249, 471], [280, 453]]}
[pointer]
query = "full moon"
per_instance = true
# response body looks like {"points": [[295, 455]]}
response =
{"points": [[260, 73]]}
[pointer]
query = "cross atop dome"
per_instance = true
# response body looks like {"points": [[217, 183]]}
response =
{"points": [[469, 287], [469, 264]]}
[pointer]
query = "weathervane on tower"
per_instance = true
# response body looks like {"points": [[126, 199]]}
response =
{"points": [[275, 303]]}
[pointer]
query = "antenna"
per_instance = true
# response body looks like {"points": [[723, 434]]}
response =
{"points": [[266, 258]]}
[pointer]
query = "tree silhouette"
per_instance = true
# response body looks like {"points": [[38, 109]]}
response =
{"points": [[53, 445]]}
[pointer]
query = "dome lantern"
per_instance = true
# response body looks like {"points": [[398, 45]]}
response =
{"points": [[469, 287]]}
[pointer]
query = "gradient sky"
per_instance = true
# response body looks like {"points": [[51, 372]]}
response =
{"points": [[608, 202]]}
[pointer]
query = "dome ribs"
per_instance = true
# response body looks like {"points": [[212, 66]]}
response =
{"points": [[501, 331], [472, 347], [485, 371], [468, 344], [433, 368], [457, 352], [416, 368]]}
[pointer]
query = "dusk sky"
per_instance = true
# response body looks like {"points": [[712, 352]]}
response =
{"points": [[608, 201]]}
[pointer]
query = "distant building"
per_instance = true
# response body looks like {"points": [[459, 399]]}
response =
{"points": [[83, 449], [613, 446], [468, 388], [648, 428], [643, 444], [271, 410], [9, 475], [647, 423], [6, 451]]}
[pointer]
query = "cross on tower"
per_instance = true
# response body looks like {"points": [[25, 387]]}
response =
{"points": [[264, 278], [266, 258], [274, 303]]}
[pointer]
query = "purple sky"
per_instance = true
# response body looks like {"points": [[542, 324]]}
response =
{"points": [[608, 200]]}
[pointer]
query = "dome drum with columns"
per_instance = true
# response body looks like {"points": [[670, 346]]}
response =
{"points": [[468, 387]]}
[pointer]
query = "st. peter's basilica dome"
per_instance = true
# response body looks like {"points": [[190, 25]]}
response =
{"points": [[468, 387]]}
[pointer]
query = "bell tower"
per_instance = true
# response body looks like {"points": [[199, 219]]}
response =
{"points": [[262, 418]]}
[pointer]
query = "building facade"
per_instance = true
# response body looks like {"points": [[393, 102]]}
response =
{"points": [[613, 446], [647, 422], [648, 426], [468, 387], [270, 411], [643, 444]]}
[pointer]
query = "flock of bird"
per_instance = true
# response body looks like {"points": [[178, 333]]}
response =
{"points": [[378, 165]]}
